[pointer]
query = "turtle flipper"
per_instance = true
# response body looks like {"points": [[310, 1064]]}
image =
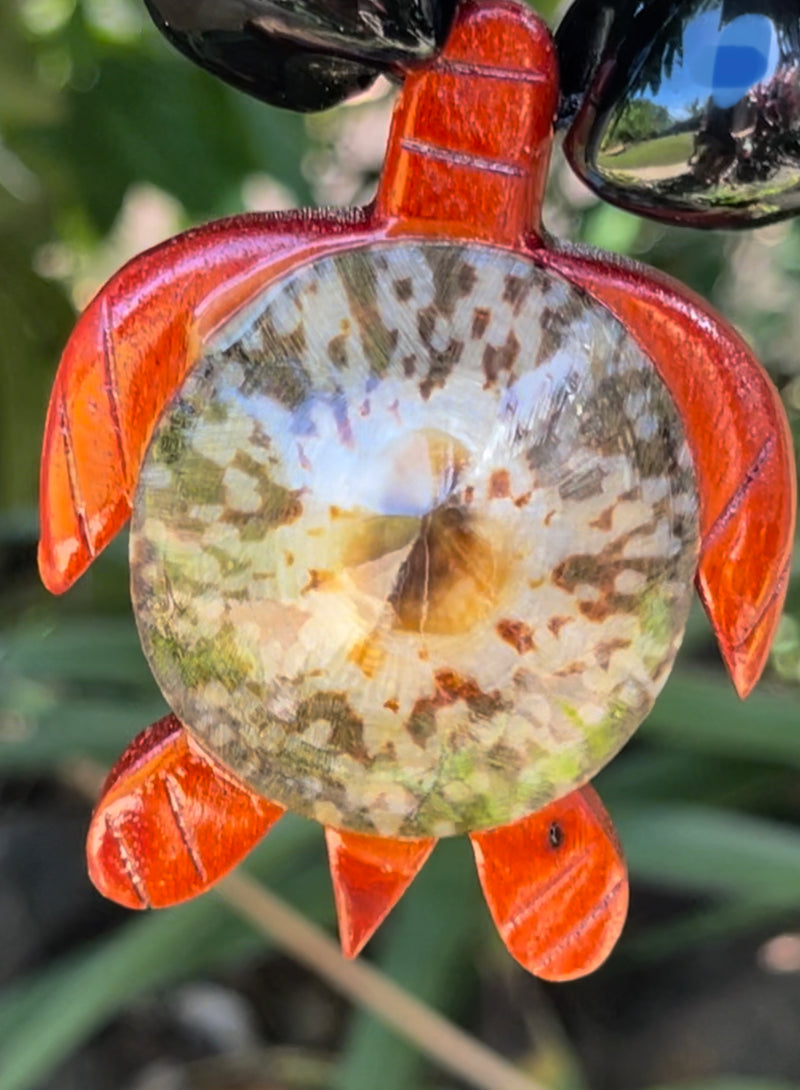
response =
{"points": [[370, 874], [170, 821], [740, 441], [556, 885], [127, 355]]}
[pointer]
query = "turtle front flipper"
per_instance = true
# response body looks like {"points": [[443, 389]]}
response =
{"points": [[740, 442], [171, 821], [370, 874], [556, 885], [128, 354]]}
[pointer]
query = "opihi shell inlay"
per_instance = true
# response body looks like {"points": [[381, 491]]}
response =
{"points": [[413, 547]]}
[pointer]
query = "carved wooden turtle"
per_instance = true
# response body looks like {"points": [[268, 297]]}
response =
{"points": [[418, 495]]}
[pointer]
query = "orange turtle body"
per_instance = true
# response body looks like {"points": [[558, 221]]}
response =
{"points": [[536, 448]]}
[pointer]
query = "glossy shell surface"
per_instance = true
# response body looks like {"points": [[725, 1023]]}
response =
{"points": [[412, 549]]}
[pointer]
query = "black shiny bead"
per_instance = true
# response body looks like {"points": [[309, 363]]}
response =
{"points": [[303, 54], [687, 111]]}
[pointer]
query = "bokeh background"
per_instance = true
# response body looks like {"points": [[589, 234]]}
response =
{"points": [[108, 143]]}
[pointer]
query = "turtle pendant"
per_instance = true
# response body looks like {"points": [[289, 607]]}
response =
{"points": [[418, 496]]}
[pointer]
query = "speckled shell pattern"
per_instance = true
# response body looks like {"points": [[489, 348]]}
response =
{"points": [[413, 547]]}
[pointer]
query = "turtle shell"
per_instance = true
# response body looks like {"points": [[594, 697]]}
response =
{"points": [[413, 546]]}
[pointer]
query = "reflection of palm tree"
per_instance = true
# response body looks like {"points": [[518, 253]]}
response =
{"points": [[749, 142], [715, 147], [722, 147], [775, 140]]}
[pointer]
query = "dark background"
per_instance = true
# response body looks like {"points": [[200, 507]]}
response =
{"points": [[109, 142]]}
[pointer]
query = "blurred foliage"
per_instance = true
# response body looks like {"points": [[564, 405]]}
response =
{"points": [[108, 140]]}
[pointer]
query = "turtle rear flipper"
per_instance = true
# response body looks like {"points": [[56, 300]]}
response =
{"points": [[556, 885], [171, 821]]}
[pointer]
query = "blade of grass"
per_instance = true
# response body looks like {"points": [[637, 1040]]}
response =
{"points": [[708, 850], [649, 774], [43, 1024], [36, 738], [702, 714], [94, 651]]}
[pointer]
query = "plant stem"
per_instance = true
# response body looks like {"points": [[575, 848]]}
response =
{"points": [[450, 1047]]}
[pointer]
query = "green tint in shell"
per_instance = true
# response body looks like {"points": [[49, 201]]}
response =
{"points": [[413, 546]]}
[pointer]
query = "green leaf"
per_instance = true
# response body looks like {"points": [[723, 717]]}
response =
{"points": [[34, 317], [161, 120], [655, 774], [611, 229], [84, 651], [80, 688], [702, 714], [39, 739], [708, 850], [710, 925]]}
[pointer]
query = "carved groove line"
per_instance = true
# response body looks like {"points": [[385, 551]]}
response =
{"points": [[586, 921], [737, 499], [78, 505], [462, 158], [779, 589], [490, 71], [128, 861], [186, 839], [561, 878], [112, 388]]}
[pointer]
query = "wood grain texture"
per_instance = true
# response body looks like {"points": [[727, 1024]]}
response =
{"points": [[370, 874], [170, 821], [556, 885]]}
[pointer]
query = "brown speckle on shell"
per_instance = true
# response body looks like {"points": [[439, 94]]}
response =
{"points": [[555, 624], [500, 358], [517, 634], [499, 484], [481, 316]]}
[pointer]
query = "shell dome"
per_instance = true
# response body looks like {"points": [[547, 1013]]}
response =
{"points": [[412, 548]]}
